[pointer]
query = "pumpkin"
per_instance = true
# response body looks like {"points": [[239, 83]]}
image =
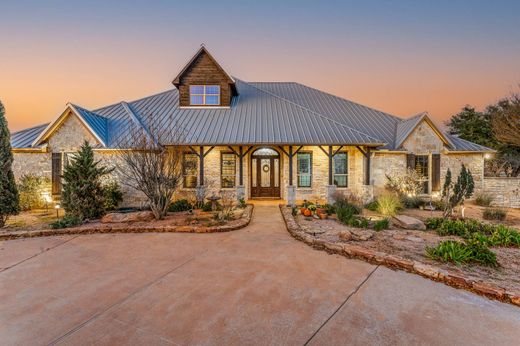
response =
{"points": [[307, 212]]}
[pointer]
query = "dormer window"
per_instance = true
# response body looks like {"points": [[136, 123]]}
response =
{"points": [[205, 95]]}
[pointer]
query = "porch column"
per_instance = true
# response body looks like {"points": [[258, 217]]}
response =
{"points": [[291, 190], [367, 167], [241, 190], [201, 166]]}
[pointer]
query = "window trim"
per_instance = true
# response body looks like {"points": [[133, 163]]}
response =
{"points": [[184, 175], [346, 169], [204, 94], [222, 153], [298, 169]]}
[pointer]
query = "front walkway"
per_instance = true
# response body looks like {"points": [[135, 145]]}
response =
{"points": [[253, 286]]}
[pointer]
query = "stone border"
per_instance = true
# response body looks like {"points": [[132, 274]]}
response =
{"points": [[396, 262], [86, 229]]}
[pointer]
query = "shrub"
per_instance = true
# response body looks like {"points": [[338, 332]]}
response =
{"points": [[494, 214], [455, 194], [388, 204], [360, 222], [381, 225], [113, 195], [457, 252], [294, 211], [505, 236], [66, 221], [345, 212], [82, 195], [206, 206], [341, 198], [450, 251], [405, 184], [180, 205], [411, 202], [483, 199], [329, 209], [434, 222], [372, 205], [242, 203], [32, 189], [453, 227]]}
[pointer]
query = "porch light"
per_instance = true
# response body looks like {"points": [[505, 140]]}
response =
{"points": [[46, 197], [487, 156], [57, 207]]}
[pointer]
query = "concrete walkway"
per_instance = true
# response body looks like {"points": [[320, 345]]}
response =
{"points": [[255, 286]]}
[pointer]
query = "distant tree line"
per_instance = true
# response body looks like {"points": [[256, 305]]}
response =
{"points": [[496, 127]]}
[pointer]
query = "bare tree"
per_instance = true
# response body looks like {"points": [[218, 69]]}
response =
{"points": [[150, 162], [506, 126]]}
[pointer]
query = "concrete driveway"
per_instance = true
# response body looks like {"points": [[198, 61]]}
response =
{"points": [[255, 286]]}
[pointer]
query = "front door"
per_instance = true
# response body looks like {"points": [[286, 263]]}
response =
{"points": [[265, 173]]}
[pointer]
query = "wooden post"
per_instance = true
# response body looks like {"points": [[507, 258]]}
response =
{"points": [[367, 168], [201, 166], [290, 165], [330, 164], [241, 166]]}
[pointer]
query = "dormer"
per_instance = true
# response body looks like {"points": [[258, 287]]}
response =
{"points": [[204, 83]]}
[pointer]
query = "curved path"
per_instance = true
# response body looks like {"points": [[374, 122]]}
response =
{"points": [[255, 286]]}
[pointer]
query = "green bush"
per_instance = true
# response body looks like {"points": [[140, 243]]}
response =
{"points": [[180, 205], [31, 188], [434, 222], [494, 214], [411, 202], [66, 222], [206, 206], [358, 222], [294, 211], [388, 204], [113, 195], [505, 236], [329, 209], [381, 225], [242, 203], [346, 211], [458, 253], [483, 199], [372, 205]]}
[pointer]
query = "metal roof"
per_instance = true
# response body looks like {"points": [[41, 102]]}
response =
{"points": [[263, 113]]}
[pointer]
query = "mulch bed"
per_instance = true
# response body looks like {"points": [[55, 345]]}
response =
{"points": [[184, 222], [405, 250]]}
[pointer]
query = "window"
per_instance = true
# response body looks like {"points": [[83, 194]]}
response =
{"points": [[304, 166], [421, 167], [340, 169], [189, 170], [227, 170], [204, 95]]}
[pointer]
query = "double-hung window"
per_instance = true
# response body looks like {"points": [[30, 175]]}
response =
{"points": [[204, 95], [340, 169], [422, 169], [189, 170], [304, 169], [227, 170]]}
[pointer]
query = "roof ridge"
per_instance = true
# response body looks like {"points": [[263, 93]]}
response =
{"points": [[137, 119], [29, 128], [311, 111], [354, 102]]}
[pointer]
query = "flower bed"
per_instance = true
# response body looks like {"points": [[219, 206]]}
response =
{"points": [[200, 222], [406, 250]]}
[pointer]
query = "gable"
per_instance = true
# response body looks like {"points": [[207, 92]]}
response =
{"points": [[70, 134], [423, 139], [203, 69]]}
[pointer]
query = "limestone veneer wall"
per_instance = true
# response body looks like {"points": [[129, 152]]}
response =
{"points": [[505, 191]]}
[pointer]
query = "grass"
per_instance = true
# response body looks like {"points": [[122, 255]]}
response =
{"points": [[483, 199], [462, 253], [388, 205], [494, 214]]}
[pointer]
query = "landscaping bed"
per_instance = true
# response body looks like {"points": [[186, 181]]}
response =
{"points": [[196, 221], [406, 250]]}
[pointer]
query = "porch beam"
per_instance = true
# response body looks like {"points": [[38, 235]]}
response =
{"points": [[337, 150], [240, 165], [361, 150], [367, 167], [207, 152], [283, 150], [330, 164], [233, 150], [325, 152], [201, 165]]}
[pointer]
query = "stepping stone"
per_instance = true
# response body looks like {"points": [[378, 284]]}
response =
{"points": [[408, 222]]}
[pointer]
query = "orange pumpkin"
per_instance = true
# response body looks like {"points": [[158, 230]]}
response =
{"points": [[307, 212]]}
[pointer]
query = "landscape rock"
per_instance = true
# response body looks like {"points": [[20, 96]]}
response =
{"points": [[128, 217], [345, 235], [408, 222], [362, 234]]}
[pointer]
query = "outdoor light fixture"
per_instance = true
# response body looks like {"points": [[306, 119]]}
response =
{"points": [[487, 156], [57, 207]]}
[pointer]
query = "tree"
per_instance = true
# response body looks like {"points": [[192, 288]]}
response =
{"points": [[506, 120], [473, 126], [83, 195], [148, 166], [455, 194], [9, 199]]}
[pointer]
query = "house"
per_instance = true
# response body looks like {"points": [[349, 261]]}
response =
{"points": [[257, 139]]}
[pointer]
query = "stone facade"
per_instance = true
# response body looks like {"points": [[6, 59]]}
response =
{"points": [[72, 133], [505, 191]]}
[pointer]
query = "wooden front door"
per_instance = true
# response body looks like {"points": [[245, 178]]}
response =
{"points": [[265, 175]]}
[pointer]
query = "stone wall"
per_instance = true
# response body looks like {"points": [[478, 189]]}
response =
{"points": [[423, 140], [70, 135], [383, 164], [33, 163], [473, 161], [505, 191]]}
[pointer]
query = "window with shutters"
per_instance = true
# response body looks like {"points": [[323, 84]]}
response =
{"points": [[56, 173], [422, 168]]}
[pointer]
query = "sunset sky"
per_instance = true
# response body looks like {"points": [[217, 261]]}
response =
{"points": [[402, 57]]}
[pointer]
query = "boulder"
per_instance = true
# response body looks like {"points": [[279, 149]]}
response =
{"points": [[128, 217], [345, 235], [408, 222]]}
